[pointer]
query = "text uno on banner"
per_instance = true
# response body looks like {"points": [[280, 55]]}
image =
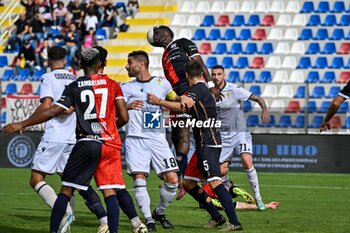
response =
{"points": [[19, 108]]}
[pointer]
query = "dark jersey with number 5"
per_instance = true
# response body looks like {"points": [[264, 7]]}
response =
{"points": [[94, 101]]}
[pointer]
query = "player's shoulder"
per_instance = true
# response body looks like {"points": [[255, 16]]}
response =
{"points": [[183, 41], [160, 80], [129, 84], [233, 86]]}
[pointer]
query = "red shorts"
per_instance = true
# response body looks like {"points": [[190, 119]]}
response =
{"points": [[108, 173], [192, 171]]}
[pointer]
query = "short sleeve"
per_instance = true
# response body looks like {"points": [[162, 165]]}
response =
{"points": [[67, 98], [126, 91], [241, 93], [46, 88], [170, 94], [190, 48], [195, 94], [118, 92], [345, 92]]}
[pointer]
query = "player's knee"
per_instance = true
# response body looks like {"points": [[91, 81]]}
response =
{"points": [[247, 161], [224, 169], [35, 179], [189, 184], [171, 177], [108, 192], [213, 184]]}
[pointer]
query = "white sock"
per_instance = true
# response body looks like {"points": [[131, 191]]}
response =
{"points": [[103, 220], [226, 182], [142, 198], [46, 193], [135, 222], [167, 194], [71, 206], [254, 182]]}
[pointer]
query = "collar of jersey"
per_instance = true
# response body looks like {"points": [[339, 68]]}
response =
{"points": [[149, 80]]}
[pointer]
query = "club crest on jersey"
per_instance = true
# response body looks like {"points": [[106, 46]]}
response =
{"points": [[152, 120]]}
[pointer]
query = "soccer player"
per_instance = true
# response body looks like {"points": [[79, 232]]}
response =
{"points": [[234, 134], [100, 108], [343, 95], [144, 145], [125, 201], [208, 147], [176, 54]]}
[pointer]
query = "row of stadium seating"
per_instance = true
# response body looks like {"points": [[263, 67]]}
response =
{"points": [[23, 75], [263, 6], [26, 89], [261, 34]]}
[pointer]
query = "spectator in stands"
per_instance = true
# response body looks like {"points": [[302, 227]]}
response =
{"points": [[94, 6], [31, 8], [28, 53], [41, 54], [21, 34], [60, 14], [77, 11], [109, 15], [45, 12], [36, 28], [72, 40], [132, 7], [90, 39], [90, 20]]}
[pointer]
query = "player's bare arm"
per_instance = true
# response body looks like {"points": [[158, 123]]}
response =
{"points": [[333, 108], [36, 118], [173, 106], [122, 112], [135, 105], [265, 115]]}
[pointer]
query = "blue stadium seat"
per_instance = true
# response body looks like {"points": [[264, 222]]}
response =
{"points": [[271, 123], [255, 89], [242, 62], [348, 65], [249, 77], [252, 121], [251, 48], [300, 93], [322, 34], [245, 34], [265, 77], [285, 121], [247, 106], [333, 92], [266, 48], [324, 107], [233, 77], [221, 48], [236, 48], [8, 75], [120, 4], [314, 20], [344, 20], [11, 89], [53, 33], [347, 123], [37, 92], [308, 7], [3, 118], [329, 48], [348, 37], [238, 21], [344, 108], [68, 60], [227, 62], [299, 122], [23, 74], [321, 63], [230, 34], [337, 63], [318, 92], [208, 21], [311, 107], [101, 34], [316, 122], [338, 7], [304, 63], [323, 7], [3, 61], [330, 20], [312, 77], [37, 75], [328, 77], [199, 34], [338, 34], [214, 34], [314, 48], [253, 20], [211, 61], [306, 34]]}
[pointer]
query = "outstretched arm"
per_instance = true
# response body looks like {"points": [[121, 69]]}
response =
{"points": [[333, 108], [265, 116], [173, 106]]}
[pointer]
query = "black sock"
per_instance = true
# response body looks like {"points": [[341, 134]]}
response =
{"points": [[226, 202], [112, 213], [58, 211], [181, 160], [93, 202], [126, 203], [201, 197], [233, 195]]}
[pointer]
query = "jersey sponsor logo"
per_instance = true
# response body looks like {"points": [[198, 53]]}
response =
{"points": [[152, 120], [20, 151]]}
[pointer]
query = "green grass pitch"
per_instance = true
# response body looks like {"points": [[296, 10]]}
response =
{"points": [[309, 203]]}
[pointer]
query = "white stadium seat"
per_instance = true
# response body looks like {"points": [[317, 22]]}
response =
{"points": [[194, 20], [298, 48], [188, 7], [284, 20], [269, 91], [232, 6], [263, 7], [289, 62], [282, 48], [178, 20], [277, 7], [273, 62], [293, 7], [281, 76], [286, 91], [291, 34], [218, 7], [185, 33], [275, 34], [203, 6], [299, 20], [247, 7], [297, 76]]}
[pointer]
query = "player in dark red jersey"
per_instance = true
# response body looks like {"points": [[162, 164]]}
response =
{"points": [[176, 54], [100, 108]]}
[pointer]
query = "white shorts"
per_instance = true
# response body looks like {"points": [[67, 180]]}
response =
{"points": [[141, 152], [51, 157], [239, 143]]}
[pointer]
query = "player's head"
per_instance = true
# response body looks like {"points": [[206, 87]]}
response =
{"points": [[218, 74], [193, 70], [103, 55], [137, 63], [57, 57], [90, 61], [160, 36]]}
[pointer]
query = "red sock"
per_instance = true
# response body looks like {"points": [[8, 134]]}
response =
{"points": [[209, 191]]}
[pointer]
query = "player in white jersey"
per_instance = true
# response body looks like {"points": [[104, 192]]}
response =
{"points": [[146, 138], [235, 136]]}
